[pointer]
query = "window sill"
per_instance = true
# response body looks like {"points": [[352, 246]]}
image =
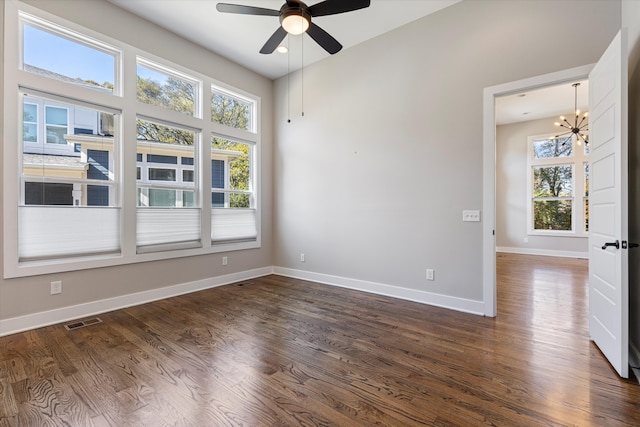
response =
{"points": [[61, 265], [558, 234]]}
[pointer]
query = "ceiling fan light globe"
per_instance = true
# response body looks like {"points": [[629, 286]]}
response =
{"points": [[295, 24]]}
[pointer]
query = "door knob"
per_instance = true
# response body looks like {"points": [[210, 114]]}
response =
{"points": [[616, 244]]}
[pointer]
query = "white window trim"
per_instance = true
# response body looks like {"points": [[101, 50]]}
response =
{"points": [[15, 78], [576, 160]]}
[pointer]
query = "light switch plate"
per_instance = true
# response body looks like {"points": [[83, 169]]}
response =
{"points": [[471, 216]]}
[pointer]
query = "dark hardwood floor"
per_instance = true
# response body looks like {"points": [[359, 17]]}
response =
{"points": [[276, 351]]}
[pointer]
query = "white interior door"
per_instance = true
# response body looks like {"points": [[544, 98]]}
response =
{"points": [[608, 214]]}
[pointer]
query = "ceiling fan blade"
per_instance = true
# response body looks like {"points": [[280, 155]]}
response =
{"points": [[324, 39], [332, 7], [246, 10], [273, 41]]}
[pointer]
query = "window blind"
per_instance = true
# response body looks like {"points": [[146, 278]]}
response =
{"points": [[233, 224], [62, 231], [157, 226]]}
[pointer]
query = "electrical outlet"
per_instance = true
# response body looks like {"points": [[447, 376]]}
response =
{"points": [[471, 216], [56, 287], [225, 260], [526, 240], [430, 274], [301, 257]]}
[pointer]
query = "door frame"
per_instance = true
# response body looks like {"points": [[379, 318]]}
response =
{"points": [[489, 168]]}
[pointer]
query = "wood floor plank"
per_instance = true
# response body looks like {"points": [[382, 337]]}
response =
{"points": [[277, 351]]}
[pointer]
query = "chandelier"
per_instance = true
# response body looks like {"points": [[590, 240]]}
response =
{"points": [[580, 124]]}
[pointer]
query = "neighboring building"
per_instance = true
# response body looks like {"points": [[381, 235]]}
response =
{"points": [[68, 151]]}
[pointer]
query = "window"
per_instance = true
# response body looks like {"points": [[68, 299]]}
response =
{"points": [[71, 164], [555, 186], [553, 197], [232, 110], [61, 187], [586, 196], [61, 54], [161, 189], [156, 85], [232, 201]]}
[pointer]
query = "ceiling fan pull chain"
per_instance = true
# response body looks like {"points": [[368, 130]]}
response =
{"points": [[288, 81], [302, 80]]}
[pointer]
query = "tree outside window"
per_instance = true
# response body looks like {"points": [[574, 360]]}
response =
{"points": [[554, 185], [553, 197]]}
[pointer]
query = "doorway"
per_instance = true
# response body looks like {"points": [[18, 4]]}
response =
{"points": [[489, 166], [542, 171]]}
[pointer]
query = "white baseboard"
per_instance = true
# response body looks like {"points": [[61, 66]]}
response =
{"points": [[64, 314], [444, 301], [545, 252]]}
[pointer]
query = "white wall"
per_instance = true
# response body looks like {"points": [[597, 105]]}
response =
{"points": [[104, 287], [511, 194], [371, 182]]}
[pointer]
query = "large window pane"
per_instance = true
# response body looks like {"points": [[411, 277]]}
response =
{"points": [[232, 198], [158, 133], [231, 172], [155, 87], [67, 59], [65, 170], [552, 214], [553, 181], [166, 155], [68, 204], [232, 111], [550, 148]]}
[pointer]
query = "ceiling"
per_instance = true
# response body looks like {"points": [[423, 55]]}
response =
{"points": [[537, 104], [240, 37]]}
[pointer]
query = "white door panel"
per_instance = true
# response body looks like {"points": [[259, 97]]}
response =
{"points": [[608, 266]]}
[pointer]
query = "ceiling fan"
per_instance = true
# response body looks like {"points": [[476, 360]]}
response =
{"points": [[295, 18]]}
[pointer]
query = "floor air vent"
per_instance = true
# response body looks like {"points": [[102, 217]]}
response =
{"points": [[82, 323]]}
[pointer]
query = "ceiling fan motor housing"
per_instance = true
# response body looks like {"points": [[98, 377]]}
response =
{"points": [[300, 10]]}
